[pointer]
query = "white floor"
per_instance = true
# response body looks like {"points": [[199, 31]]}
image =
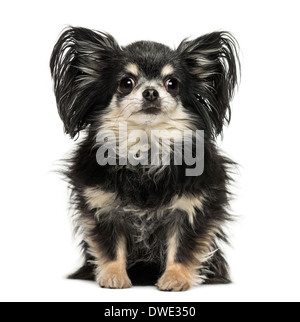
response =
{"points": [[66, 290]]}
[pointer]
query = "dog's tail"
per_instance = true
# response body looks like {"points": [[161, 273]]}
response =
{"points": [[85, 272]]}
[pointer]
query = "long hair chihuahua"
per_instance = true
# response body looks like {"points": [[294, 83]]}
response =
{"points": [[149, 185]]}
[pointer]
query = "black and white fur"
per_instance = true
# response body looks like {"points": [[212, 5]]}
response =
{"points": [[147, 224]]}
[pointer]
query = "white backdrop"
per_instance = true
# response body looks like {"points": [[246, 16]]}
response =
{"points": [[37, 247]]}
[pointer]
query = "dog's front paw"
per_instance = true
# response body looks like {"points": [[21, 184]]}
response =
{"points": [[175, 279], [113, 277]]}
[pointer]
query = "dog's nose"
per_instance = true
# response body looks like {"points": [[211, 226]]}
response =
{"points": [[150, 94]]}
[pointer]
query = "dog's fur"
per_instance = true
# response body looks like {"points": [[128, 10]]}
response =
{"points": [[147, 224]]}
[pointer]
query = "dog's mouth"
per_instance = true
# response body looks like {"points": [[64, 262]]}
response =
{"points": [[151, 110]]}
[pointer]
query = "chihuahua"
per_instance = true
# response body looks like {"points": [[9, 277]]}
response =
{"points": [[149, 186]]}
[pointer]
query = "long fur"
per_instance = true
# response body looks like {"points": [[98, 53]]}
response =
{"points": [[138, 208]]}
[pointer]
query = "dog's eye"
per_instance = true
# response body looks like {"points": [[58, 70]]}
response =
{"points": [[126, 85], [172, 86]]}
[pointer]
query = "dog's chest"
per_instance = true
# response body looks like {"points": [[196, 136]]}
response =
{"points": [[144, 233], [141, 227]]}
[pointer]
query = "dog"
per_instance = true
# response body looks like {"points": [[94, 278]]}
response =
{"points": [[147, 221]]}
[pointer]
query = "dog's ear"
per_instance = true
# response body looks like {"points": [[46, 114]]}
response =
{"points": [[81, 65], [213, 65]]}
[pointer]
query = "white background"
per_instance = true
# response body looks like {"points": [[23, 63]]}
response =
{"points": [[37, 247]]}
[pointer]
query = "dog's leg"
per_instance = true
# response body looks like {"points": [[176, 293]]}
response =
{"points": [[104, 235], [110, 273], [177, 276], [113, 274], [185, 248]]}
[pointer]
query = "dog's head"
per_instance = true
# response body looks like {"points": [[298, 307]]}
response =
{"points": [[144, 83]]}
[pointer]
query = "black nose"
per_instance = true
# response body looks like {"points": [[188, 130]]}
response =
{"points": [[150, 94]]}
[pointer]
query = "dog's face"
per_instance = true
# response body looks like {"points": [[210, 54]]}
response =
{"points": [[150, 84], [145, 83], [144, 98]]}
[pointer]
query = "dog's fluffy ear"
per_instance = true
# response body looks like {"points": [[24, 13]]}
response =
{"points": [[213, 65], [81, 64]]}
